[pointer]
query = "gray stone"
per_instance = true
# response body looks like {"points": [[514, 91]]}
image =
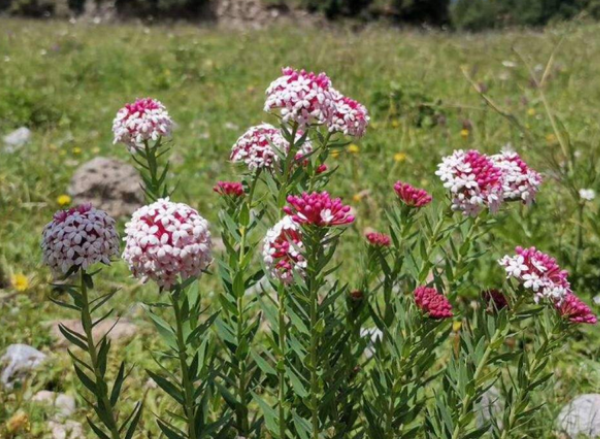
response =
{"points": [[17, 139], [67, 430], [18, 361], [64, 404], [110, 185], [581, 416], [490, 407]]}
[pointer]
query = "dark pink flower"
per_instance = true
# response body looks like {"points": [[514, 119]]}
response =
{"points": [[494, 300], [412, 196], [434, 304], [378, 239], [575, 310], [229, 188], [318, 209], [322, 168]]}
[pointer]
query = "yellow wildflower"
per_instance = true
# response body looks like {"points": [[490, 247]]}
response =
{"points": [[63, 200], [353, 149], [531, 112], [400, 157], [456, 325], [464, 133], [357, 197], [335, 153], [551, 138], [19, 282], [395, 123], [77, 150], [18, 422], [95, 150]]}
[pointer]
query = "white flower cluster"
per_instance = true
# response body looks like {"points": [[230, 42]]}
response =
{"points": [[256, 148], [144, 120], [519, 182], [79, 238], [167, 240], [350, 117], [282, 248]]}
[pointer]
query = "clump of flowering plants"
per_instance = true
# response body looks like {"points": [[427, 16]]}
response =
{"points": [[288, 347]]}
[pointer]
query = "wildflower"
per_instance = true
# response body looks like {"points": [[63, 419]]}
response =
{"points": [[95, 150], [335, 153], [431, 302], [301, 97], [357, 197], [63, 200], [531, 112], [357, 295], [77, 150], [261, 146], [495, 300], [232, 189], [575, 310], [551, 138], [79, 238], [456, 326], [349, 117], [412, 196], [537, 272], [321, 169], [318, 209], [165, 240], [519, 182], [144, 120], [587, 194], [474, 181], [353, 149], [19, 282], [395, 123], [464, 133], [282, 251], [378, 239], [18, 422], [400, 157]]}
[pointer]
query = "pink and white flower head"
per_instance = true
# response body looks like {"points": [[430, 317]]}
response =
{"points": [[412, 196], [144, 120], [301, 97], [537, 272], [378, 239], [349, 117], [576, 311], [282, 251], [474, 181], [233, 189], [256, 148], [519, 182], [166, 241], [79, 238], [318, 209], [431, 302]]}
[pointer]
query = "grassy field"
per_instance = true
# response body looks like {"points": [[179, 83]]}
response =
{"points": [[66, 82]]}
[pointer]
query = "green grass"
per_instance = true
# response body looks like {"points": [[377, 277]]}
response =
{"points": [[66, 83]]}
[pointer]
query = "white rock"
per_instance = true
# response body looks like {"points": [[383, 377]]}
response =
{"points": [[64, 404], [581, 416], [19, 360], [68, 430], [490, 406], [17, 139]]}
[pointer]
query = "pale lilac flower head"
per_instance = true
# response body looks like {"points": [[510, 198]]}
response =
{"points": [[519, 182], [537, 272], [318, 209], [79, 238], [412, 196], [166, 241], [378, 239], [576, 311], [282, 251], [349, 117], [144, 120], [474, 181], [301, 97], [261, 146], [432, 303]]}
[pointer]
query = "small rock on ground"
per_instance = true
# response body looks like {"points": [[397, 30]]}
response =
{"points": [[64, 404], [67, 430], [17, 139], [18, 361], [581, 416]]}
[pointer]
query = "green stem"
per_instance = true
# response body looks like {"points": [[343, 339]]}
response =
{"points": [[152, 161], [314, 378], [287, 167], [281, 366], [467, 242], [187, 385], [579, 250], [101, 386], [424, 271]]}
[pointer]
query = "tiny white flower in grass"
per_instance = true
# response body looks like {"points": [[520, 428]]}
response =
{"points": [[587, 194]]}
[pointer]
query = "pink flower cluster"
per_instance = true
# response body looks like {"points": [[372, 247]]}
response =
{"points": [[318, 209], [576, 311], [412, 196], [145, 119], [231, 189], [307, 99], [494, 300], [378, 239], [435, 304], [519, 183], [79, 238], [282, 251], [167, 240], [261, 146]]}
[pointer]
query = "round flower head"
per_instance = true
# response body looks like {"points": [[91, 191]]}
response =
{"points": [[537, 272], [474, 181], [231, 189], [256, 147], [412, 196], [378, 239], [431, 302], [166, 240], [519, 182], [144, 120], [282, 251], [494, 300], [302, 97], [349, 117], [318, 209], [79, 238], [576, 311]]}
